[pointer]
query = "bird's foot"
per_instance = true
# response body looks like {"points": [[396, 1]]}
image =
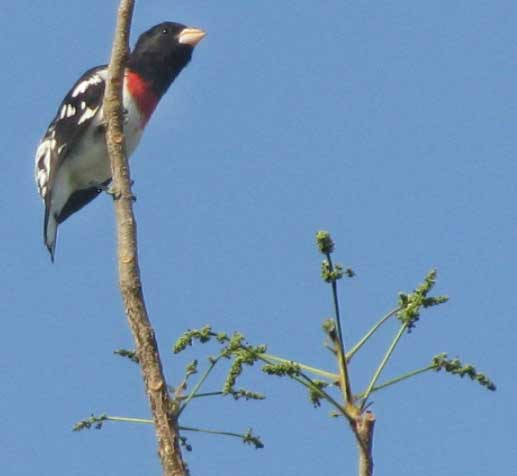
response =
{"points": [[108, 188], [116, 195]]}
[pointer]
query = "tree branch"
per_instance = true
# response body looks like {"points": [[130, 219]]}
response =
{"points": [[129, 273], [363, 430]]}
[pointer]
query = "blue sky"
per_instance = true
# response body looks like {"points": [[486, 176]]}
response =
{"points": [[392, 124]]}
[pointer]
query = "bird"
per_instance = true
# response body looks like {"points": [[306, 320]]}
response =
{"points": [[72, 165]]}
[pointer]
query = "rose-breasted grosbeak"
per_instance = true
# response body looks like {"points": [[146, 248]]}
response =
{"points": [[72, 164]]}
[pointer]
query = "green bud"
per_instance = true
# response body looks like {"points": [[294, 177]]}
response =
{"points": [[324, 242]]}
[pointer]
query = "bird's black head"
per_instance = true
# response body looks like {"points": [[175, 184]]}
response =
{"points": [[162, 52]]}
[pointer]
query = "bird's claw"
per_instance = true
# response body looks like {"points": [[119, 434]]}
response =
{"points": [[116, 195]]}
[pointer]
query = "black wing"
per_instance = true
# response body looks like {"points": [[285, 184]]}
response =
{"points": [[73, 117], [79, 199]]}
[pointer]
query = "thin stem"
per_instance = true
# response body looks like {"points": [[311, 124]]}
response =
{"points": [[198, 385], [383, 363], [343, 369], [182, 428], [311, 385], [400, 378], [308, 383], [130, 420], [369, 334], [211, 432], [207, 394], [308, 368], [336, 304]]}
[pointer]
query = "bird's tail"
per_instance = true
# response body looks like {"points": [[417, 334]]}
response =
{"points": [[50, 232]]}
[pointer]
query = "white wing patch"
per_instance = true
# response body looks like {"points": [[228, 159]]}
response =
{"points": [[87, 114], [84, 85], [43, 156], [67, 111]]}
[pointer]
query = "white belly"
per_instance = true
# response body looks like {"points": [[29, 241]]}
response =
{"points": [[89, 164]]}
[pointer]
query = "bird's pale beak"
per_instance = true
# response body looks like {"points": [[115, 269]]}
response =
{"points": [[191, 36]]}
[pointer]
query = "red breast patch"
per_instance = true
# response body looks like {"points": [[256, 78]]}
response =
{"points": [[143, 95]]}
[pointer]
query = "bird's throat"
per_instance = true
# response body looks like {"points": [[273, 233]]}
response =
{"points": [[143, 94]]}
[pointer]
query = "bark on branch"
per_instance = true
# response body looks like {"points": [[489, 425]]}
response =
{"points": [[129, 273], [363, 430]]}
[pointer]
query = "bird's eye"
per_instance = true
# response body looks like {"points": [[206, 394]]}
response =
{"points": [[165, 31]]}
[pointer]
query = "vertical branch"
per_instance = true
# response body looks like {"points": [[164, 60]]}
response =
{"points": [[364, 433], [129, 273], [340, 346], [361, 422]]}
